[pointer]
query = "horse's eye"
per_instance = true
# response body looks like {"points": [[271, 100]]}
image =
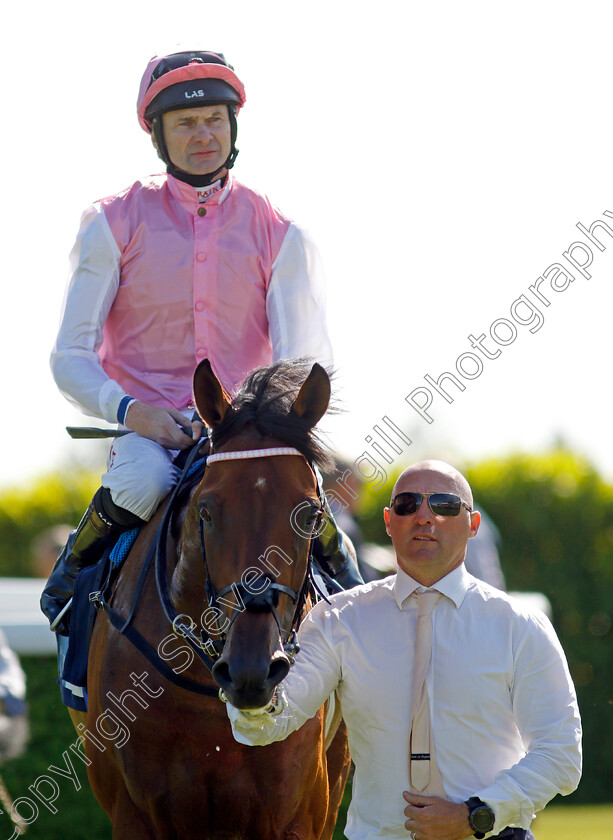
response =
{"points": [[205, 515], [313, 517]]}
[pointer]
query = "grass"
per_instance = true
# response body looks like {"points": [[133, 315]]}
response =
{"points": [[575, 822]]}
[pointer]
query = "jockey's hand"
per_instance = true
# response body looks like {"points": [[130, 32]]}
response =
{"points": [[162, 425]]}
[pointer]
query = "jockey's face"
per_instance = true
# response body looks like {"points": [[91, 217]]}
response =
{"points": [[198, 139]]}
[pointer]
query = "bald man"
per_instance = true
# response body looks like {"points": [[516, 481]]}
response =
{"points": [[504, 719]]}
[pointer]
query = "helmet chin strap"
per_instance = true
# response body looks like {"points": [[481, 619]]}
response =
{"points": [[187, 177]]}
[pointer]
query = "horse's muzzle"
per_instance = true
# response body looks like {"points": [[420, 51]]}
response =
{"points": [[248, 682]]}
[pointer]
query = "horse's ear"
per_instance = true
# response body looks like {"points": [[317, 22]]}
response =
{"points": [[313, 397], [210, 398]]}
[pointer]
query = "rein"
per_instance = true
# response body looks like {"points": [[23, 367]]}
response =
{"points": [[206, 648]]}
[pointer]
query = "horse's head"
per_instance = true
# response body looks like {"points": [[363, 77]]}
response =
{"points": [[256, 509]]}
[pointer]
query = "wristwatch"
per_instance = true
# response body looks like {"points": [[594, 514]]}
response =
{"points": [[481, 818]]}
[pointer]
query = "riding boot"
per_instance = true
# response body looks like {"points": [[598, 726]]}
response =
{"points": [[102, 522], [332, 555]]}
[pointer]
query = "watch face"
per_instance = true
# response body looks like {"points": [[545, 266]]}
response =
{"points": [[482, 819]]}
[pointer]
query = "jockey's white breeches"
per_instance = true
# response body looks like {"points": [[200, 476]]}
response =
{"points": [[140, 473]]}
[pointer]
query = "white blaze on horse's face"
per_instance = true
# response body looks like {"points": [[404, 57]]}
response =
{"points": [[260, 483]]}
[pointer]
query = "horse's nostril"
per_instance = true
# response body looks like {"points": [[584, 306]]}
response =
{"points": [[221, 674], [278, 670]]}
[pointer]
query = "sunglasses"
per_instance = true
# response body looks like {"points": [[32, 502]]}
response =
{"points": [[441, 504]]}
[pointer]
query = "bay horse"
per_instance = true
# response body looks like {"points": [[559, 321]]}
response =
{"points": [[235, 556]]}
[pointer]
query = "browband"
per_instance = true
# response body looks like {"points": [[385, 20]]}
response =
{"points": [[252, 453]]}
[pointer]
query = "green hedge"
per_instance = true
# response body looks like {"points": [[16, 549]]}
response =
{"points": [[25, 512], [555, 516]]}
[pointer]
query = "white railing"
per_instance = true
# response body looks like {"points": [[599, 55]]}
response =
{"points": [[25, 627]]}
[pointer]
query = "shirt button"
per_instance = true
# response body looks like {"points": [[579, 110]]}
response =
{"points": [[202, 211], [201, 256], [199, 305], [201, 352]]}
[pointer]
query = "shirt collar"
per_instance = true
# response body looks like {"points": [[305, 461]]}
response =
{"points": [[454, 586], [204, 193]]}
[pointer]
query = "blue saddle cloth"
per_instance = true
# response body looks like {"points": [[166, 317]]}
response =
{"points": [[73, 661], [73, 652]]}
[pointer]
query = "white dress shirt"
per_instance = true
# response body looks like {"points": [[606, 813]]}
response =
{"points": [[504, 713]]}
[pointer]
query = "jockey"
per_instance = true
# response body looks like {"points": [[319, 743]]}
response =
{"points": [[179, 267]]}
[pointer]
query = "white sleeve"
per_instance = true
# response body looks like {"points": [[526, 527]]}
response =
{"points": [[310, 682], [295, 301], [95, 271], [547, 717]]}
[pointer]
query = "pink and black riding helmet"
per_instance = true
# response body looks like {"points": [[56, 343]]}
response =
{"points": [[188, 80]]}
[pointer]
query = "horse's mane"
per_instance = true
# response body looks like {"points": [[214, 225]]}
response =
{"points": [[264, 400]]}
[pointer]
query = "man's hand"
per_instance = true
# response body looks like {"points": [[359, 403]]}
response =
{"points": [[160, 425], [433, 818]]}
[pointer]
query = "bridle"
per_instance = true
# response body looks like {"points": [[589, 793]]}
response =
{"points": [[209, 649], [268, 599]]}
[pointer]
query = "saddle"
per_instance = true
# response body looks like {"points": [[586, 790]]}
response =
{"points": [[73, 677]]}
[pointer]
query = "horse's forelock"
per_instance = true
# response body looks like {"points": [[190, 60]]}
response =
{"points": [[264, 400]]}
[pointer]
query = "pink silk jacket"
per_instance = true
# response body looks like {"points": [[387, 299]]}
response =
{"points": [[160, 281]]}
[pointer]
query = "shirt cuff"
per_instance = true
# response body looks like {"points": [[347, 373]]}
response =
{"points": [[111, 395], [509, 810], [124, 405]]}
